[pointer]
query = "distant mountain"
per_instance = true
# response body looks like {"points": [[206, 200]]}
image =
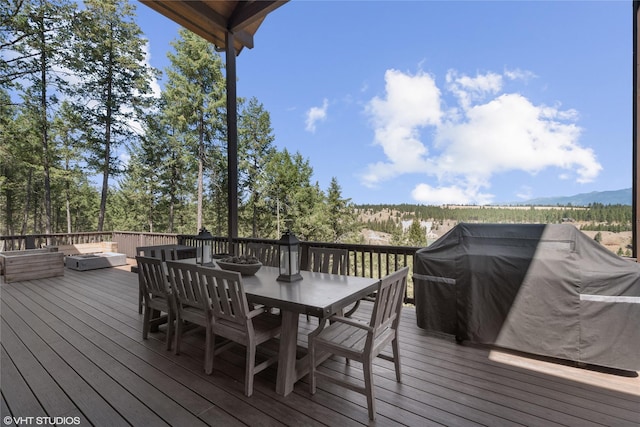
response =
{"points": [[615, 197]]}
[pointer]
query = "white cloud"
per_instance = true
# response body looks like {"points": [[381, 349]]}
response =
{"points": [[525, 193], [519, 74], [468, 89], [424, 193], [510, 133], [412, 102], [156, 90], [463, 148], [316, 114], [124, 159]]}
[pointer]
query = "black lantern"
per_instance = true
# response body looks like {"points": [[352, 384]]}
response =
{"points": [[203, 247], [289, 251]]}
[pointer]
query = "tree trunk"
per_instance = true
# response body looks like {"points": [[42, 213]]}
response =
{"points": [[67, 196], [45, 131], [8, 212], [27, 203], [255, 214], [107, 147], [172, 205]]}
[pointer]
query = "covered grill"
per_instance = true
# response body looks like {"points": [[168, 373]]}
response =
{"points": [[543, 289]]}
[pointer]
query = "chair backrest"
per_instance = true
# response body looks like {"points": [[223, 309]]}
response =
{"points": [[152, 277], [386, 310], [226, 295], [185, 283], [265, 252], [326, 260]]}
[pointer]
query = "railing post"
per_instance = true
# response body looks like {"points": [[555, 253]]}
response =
{"points": [[304, 255], [30, 242]]}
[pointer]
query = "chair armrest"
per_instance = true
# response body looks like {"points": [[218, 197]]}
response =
{"points": [[352, 322], [256, 312]]}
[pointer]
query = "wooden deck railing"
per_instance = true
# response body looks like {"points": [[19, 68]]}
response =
{"points": [[128, 241], [33, 241], [364, 260]]}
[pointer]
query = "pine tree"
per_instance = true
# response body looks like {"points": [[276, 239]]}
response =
{"points": [[36, 31], [341, 216], [598, 237], [113, 88], [195, 100], [296, 202], [255, 148], [416, 234], [66, 128]]}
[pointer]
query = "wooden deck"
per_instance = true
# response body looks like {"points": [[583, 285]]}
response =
{"points": [[72, 347]]}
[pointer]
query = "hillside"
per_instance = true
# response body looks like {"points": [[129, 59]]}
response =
{"points": [[615, 197], [611, 221]]}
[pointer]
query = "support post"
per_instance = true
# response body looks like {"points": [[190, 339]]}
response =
{"points": [[635, 192], [232, 138]]}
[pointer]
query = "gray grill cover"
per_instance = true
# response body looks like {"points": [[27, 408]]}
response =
{"points": [[542, 289]]}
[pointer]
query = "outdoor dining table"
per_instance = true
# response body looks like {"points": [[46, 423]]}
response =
{"points": [[318, 294]]}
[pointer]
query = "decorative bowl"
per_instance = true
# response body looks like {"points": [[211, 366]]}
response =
{"points": [[246, 269]]}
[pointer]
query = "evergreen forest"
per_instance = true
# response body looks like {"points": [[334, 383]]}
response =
{"points": [[87, 144]]}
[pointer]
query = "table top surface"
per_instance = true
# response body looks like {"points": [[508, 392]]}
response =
{"points": [[317, 294]]}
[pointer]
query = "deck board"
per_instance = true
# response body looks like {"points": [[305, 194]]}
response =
{"points": [[48, 393], [20, 397], [72, 346]]}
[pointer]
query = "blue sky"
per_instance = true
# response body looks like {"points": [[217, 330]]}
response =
{"points": [[438, 102]]}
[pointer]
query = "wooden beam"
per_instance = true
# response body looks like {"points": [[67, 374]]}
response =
{"points": [[245, 38], [195, 17], [246, 13]]}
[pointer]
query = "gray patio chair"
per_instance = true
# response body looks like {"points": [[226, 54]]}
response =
{"points": [[157, 296], [162, 252], [233, 320], [192, 303], [265, 252], [360, 341], [328, 260]]}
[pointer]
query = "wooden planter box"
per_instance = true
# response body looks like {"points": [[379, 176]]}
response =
{"points": [[31, 264]]}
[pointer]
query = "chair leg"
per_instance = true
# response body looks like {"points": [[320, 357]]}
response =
{"points": [[249, 370], [208, 351], [312, 366], [179, 326], [396, 357], [146, 320], [208, 369], [368, 384], [169, 328], [140, 298]]}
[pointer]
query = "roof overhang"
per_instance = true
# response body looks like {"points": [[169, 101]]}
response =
{"points": [[211, 20]]}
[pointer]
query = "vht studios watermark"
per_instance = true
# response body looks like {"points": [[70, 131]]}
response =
{"points": [[39, 421]]}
